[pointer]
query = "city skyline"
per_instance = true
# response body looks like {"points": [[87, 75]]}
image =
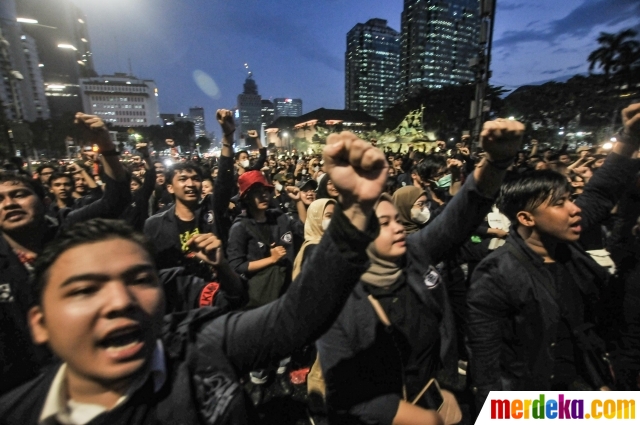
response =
{"points": [[300, 57]]}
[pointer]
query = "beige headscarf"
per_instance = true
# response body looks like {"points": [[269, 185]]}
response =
{"points": [[312, 230], [381, 272], [403, 199]]}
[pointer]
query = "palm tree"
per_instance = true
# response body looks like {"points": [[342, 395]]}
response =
{"points": [[613, 50]]}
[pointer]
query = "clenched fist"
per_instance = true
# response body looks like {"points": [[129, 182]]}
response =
{"points": [[501, 139], [357, 169]]}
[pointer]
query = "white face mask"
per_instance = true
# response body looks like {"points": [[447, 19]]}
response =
{"points": [[304, 171], [325, 223], [279, 187], [420, 216], [245, 163], [316, 168]]}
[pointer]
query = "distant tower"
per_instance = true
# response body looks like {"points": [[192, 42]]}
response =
{"points": [[249, 107], [372, 67], [196, 116], [439, 37]]}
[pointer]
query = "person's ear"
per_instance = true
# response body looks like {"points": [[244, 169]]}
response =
{"points": [[526, 219], [39, 332], [170, 188]]}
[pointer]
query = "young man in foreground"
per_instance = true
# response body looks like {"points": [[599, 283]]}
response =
{"points": [[534, 303], [99, 307]]}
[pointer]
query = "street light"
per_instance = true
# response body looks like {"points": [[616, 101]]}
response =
{"points": [[67, 46], [27, 20]]}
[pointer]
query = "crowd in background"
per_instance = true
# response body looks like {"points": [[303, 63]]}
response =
{"points": [[484, 267]]}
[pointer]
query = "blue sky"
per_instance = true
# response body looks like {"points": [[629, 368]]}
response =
{"points": [[295, 48]]}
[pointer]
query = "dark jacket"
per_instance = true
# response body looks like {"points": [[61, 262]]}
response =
{"points": [[138, 210], [245, 245], [185, 292], [211, 217], [513, 313], [361, 368], [207, 352], [19, 359]]}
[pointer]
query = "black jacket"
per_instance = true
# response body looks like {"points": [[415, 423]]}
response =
{"points": [[19, 360], [138, 210], [211, 217], [513, 314], [361, 367], [207, 351], [245, 245]]}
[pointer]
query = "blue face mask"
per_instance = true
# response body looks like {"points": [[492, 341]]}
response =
{"points": [[445, 181]]}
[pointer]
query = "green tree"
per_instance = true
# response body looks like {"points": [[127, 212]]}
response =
{"points": [[616, 52]]}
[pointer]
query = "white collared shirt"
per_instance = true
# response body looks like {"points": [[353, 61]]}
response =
{"points": [[59, 407]]}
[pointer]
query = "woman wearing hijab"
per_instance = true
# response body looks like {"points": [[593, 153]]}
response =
{"points": [[413, 210], [318, 218], [396, 332]]}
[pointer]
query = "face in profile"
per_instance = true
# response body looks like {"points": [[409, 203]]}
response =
{"points": [[559, 218], [100, 317]]}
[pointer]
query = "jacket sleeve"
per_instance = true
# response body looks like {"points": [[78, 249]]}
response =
{"points": [[262, 158], [221, 198], [237, 249], [148, 185], [605, 188], [255, 338], [334, 348], [441, 238], [487, 312], [116, 198]]}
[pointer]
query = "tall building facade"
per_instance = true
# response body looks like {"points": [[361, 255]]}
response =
{"points": [[249, 107], [439, 37], [285, 107], [21, 82], [59, 29], [196, 116], [268, 112], [121, 99], [372, 65]]}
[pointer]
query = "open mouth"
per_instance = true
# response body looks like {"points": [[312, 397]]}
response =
{"points": [[576, 227], [123, 343], [191, 192]]}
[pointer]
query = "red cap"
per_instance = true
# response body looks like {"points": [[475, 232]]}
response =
{"points": [[250, 179]]}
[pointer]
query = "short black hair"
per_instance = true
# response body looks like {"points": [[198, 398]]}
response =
{"points": [[240, 152], [45, 165], [529, 190], [429, 168], [183, 166], [87, 232], [136, 179], [32, 184], [59, 175]]}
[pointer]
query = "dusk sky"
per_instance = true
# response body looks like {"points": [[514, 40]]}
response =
{"points": [[295, 48]]}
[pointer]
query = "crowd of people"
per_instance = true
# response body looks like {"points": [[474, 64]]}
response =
{"points": [[402, 285]]}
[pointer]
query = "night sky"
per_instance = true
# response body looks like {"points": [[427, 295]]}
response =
{"points": [[295, 48]]}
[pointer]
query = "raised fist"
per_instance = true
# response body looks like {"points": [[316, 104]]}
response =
{"points": [[357, 169], [501, 139], [225, 118], [94, 131], [253, 134], [631, 122]]}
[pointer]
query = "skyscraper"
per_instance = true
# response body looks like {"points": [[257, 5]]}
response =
{"points": [[372, 64], [196, 116], [439, 37], [59, 29], [285, 107], [249, 107], [21, 83], [268, 111]]}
